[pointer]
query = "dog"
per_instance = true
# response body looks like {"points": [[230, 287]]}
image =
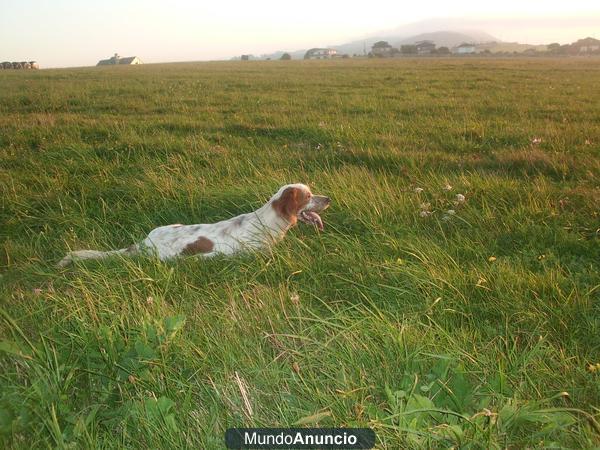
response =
{"points": [[252, 231]]}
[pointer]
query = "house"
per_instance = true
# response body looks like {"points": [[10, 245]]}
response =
{"points": [[116, 59], [19, 65], [587, 45], [425, 47], [464, 49], [320, 53], [382, 49]]}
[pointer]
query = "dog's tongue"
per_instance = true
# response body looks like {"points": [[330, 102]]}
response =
{"points": [[312, 218]]}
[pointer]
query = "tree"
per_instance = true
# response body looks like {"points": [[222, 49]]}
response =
{"points": [[286, 57], [443, 51], [408, 49], [567, 49], [381, 44], [553, 48], [381, 49]]}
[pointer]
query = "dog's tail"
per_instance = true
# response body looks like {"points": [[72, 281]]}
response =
{"points": [[79, 255]]}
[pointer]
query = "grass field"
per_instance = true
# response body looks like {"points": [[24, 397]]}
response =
{"points": [[478, 329]]}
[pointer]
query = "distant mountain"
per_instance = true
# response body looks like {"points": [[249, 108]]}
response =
{"points": [[447, 38], [467, 27], [532, 32], [510, 47], [403, 35], [440, 38]]}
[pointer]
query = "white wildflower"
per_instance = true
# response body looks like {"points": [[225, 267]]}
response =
{"points": [[460, 198], [295, 298], [447, 187], [418, 190], [451, 212], [425, 213], [536, 141]]}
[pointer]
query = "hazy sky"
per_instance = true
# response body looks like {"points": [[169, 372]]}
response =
{"points": [[60, 33]]}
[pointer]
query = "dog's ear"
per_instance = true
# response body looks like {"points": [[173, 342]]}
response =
{"points": [[289, 203]]}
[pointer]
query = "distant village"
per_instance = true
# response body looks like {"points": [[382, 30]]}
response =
{"points": [[116, 59], [382, 49], [19, 65]]}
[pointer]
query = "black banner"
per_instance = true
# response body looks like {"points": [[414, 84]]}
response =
{"points": [[300, 438]]}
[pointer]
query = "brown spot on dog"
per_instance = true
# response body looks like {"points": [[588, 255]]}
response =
{"points": [[200, 245], [289, 203]]}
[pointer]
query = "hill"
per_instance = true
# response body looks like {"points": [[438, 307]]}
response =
{"points": [[446, 38], [510, 47], [397, 38]]}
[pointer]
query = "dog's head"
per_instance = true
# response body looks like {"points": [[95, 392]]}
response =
{"points": [[295, 202]]}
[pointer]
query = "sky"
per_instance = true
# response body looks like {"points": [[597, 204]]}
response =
{"points": [[66, 33]]}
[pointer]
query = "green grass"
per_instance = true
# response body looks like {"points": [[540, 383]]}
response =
{"points": [[402, 323]]}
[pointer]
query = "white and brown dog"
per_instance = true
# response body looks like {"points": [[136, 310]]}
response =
{"points": [[259, 229]]}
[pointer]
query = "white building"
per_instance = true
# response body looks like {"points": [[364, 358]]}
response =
{"points": [[464, 49], [128, 60], [320, 53]]}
